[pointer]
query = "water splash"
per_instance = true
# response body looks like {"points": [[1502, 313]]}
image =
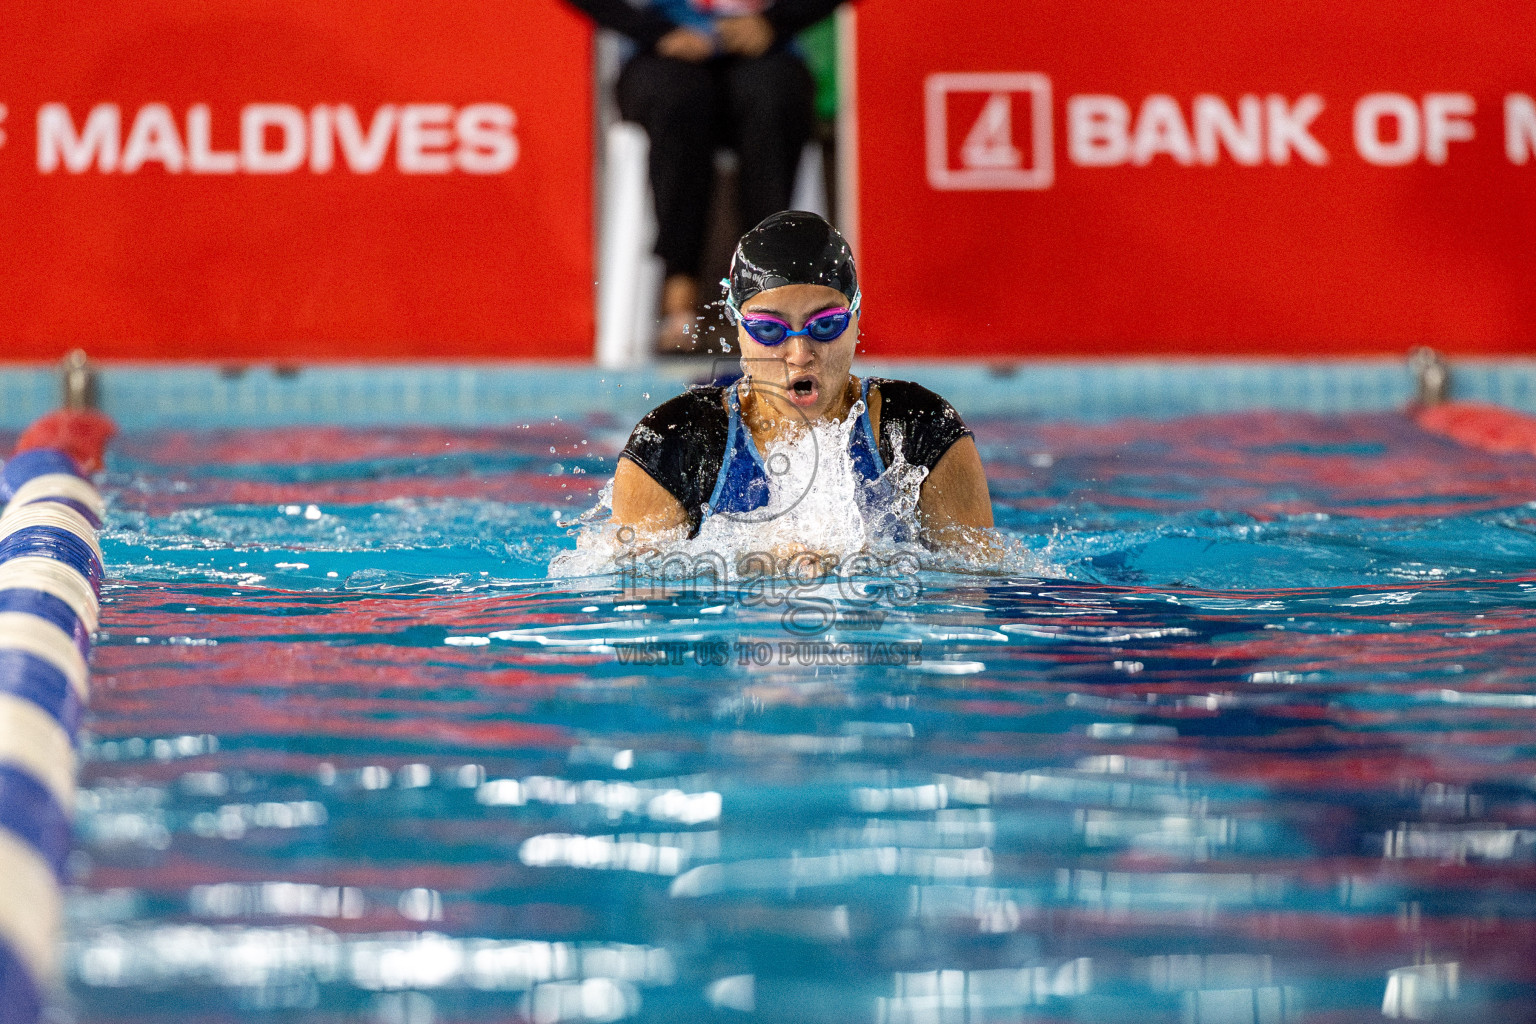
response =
{"points": [[817, 501], [820, 514]]}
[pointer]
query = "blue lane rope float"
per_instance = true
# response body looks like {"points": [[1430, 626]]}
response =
{"points": [[50, 589]]}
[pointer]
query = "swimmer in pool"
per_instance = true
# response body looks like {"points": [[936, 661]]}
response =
{"points": [[793, 294]]}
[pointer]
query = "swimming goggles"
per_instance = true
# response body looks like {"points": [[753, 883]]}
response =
{"points": [[826, 326]]}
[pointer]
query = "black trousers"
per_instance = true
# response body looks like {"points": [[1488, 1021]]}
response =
{"points": [[761, 107]]}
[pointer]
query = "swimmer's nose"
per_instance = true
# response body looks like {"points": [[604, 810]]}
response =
{"points": [[798, 351]]}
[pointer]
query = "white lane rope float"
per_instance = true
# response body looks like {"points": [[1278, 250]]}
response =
{"points": [[50, 588]]}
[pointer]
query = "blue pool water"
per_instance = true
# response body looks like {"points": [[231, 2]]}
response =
{"points": [[1253, 744]]}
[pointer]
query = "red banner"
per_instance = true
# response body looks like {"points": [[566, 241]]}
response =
{"points": [[295, 179], [1200, 177]]}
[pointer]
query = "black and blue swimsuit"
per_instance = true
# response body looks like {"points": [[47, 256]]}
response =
{"points": [[697, 447]]}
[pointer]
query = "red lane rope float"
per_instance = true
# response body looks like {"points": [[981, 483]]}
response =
{"points": [[82, 434], [50, 579], [1491, 428]]}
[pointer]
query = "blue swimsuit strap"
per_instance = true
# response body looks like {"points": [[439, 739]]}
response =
{"points": [[738, 441], [740, 435], [866, 432]]}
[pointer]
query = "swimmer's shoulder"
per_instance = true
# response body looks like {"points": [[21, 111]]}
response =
{"points": [[681, 443], [925, 425], [681, 426], [907, 394], [695, 409]]}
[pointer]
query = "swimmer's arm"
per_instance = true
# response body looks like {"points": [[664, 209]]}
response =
{"points": [[640, 502], [954, 503]]}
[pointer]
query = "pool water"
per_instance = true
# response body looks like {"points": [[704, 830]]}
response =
{"points": [[1254, 744]]}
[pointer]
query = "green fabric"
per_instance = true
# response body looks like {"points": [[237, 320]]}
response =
{"points": [[819, 45]]}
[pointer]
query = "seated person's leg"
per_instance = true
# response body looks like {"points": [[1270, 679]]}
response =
{"points": [[771, 110], [676, 102]]}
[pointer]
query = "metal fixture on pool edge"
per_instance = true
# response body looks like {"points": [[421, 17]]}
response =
{"points": [[1432, 377], [82, 388]]}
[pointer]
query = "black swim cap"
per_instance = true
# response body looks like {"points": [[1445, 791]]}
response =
{"points": [[792, 247]]}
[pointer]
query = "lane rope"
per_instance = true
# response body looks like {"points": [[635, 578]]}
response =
{"points": [[50, 590]]}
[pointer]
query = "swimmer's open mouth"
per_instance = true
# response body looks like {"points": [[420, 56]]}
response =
{"points": [[803, 391]]}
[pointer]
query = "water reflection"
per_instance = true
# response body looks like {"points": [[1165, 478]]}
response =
{"points": [[1152, 792]]}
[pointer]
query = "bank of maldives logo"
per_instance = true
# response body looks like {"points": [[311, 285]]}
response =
{"points": [[989, 131]]}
